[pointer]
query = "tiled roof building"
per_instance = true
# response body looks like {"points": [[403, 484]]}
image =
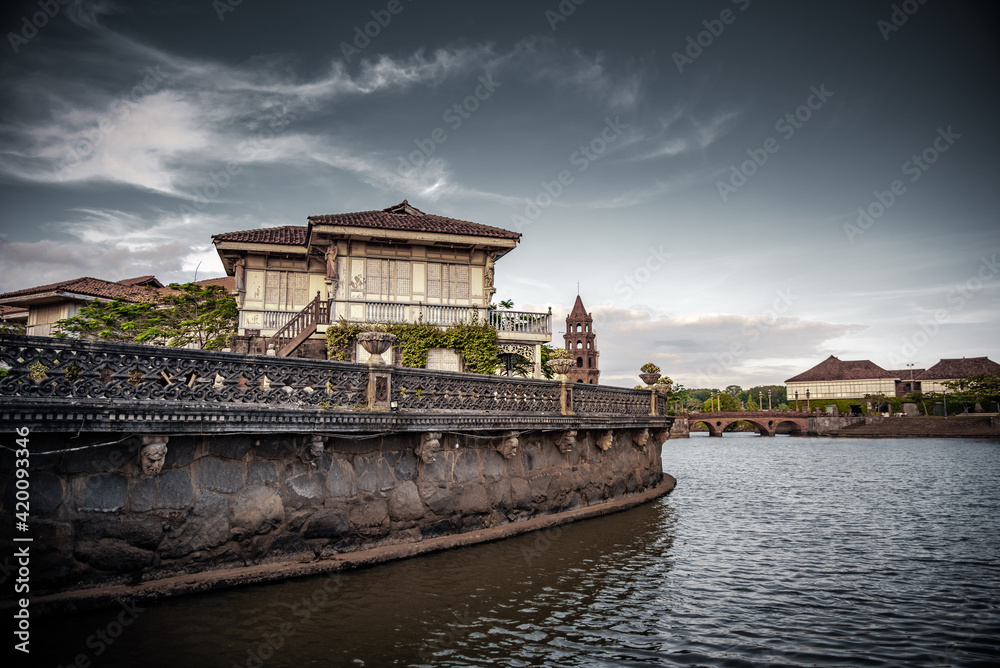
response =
{"points": [[393, 265], [933, 379]]}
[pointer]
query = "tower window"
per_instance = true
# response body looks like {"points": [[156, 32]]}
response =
{"points": [[579, 362]]}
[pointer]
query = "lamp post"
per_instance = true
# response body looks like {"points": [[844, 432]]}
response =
{"points": [[910, 367], [808, 406], [768, 399], [760, 400], [796, 401]]}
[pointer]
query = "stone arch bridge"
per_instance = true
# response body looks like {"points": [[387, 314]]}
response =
{"points": [[766, 422]]}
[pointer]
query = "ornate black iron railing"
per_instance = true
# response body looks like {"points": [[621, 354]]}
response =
{"points": [[44, 368]]}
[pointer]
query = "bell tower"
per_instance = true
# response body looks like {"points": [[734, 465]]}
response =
{"points": [[581, 345]]}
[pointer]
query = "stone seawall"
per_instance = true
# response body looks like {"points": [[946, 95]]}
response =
{"points": [[232, 501]]}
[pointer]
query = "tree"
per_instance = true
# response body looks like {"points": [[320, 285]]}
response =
{"points": [[205, 315], [9, 327], [734, 391], [975, 389], [117, 320], [728, 403], [752, 405], [185, 314]]}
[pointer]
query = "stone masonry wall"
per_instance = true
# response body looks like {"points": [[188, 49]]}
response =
{"points": [[228, 501]]}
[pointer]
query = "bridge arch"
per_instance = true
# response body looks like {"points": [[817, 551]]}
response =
{"points": [[792, 427], [713, 429]]}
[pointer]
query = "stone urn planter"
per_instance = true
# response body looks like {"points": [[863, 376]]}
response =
{"points": [[376, 343], [560, 367], [649, 378]]}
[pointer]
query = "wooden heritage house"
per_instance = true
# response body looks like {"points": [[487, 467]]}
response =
{"points": [[396, 265]]}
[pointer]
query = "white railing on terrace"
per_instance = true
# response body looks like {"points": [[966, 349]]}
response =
{"points": [[270, 321], [385, 312], [505, 322], [448, 316], [522, 322]]}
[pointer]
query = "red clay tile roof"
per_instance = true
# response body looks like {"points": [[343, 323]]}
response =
{"points": [[227, 282], [405, 217], [904, 374], [290, 235], [142, 280], [15, 312], [834, 369], [91, 287], [951, 369], [402, 216]]}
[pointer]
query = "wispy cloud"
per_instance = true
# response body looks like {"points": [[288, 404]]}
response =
{"points": [[684, 133]]}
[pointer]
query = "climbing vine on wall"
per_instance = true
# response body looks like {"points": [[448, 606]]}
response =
{"points": [[474, 341]]}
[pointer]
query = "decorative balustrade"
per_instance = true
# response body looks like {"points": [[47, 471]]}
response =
{"points": [[521, 322], [448, 316], [48, 368], [385, 312], [420, 389], [62, 371], [266, 321], [589, 399]]}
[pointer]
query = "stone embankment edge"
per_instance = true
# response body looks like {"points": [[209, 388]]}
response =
{"points": [[80, 600]]}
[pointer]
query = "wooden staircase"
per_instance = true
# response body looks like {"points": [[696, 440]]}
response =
{"points": [[299, 328]]}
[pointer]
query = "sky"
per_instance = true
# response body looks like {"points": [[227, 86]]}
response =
{"points": [[737, 189]]}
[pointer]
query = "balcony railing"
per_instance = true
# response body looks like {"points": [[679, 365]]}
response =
{"points": [[266, 321], [510, 323], [521, 322]]}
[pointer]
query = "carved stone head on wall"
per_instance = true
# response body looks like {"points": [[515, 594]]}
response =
{"points": [[151, 456], [316, 444], [641, 438], [605, 440], [566, 441], [430, 445], [508, 445]]}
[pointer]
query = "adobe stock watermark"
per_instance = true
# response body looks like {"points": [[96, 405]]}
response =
{"points": [[363, 35], [960, 295], [714, 28], [787, 125], [272, 641], [454, 116], [633, 281], [118, 110], [31, 24], [101, 639], [223, 7], [900, 14], [212, 187], [914, 168], [581, 159], [725, 361], [448, 639], [563, 11]]}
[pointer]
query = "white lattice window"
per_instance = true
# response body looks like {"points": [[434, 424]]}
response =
{"points": [[434, 280], [402, 271], [387, 278], [448, 281], [286, 290], [458, 282]]}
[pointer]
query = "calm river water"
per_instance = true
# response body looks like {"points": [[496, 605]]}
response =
{"points": [[788, 551]]}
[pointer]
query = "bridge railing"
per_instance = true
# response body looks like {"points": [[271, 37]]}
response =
{"points": [[753, 414], [66, 371]]}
